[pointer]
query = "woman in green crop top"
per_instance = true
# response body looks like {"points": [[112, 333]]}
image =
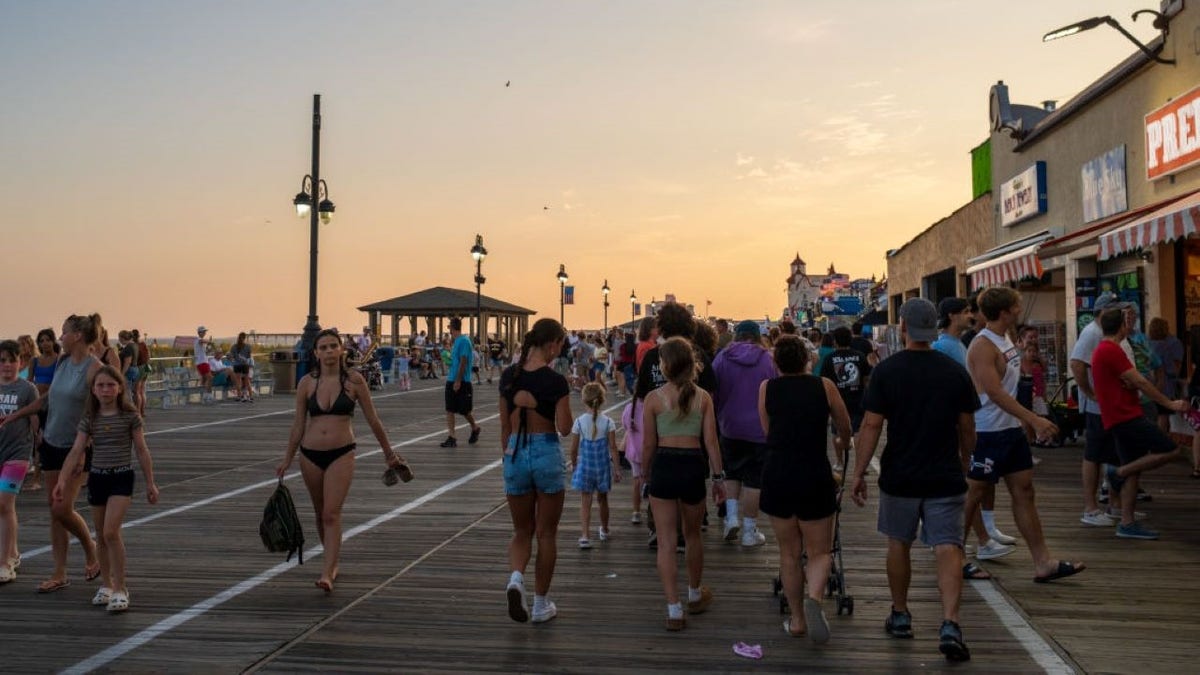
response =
{"points": [[679, 444]]}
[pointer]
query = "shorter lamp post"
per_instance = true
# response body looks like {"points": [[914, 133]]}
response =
{"points": [[478, 252], [562, 293], [632, 306], [605, 290]]}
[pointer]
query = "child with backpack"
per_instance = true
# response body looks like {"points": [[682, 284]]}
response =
{"points": [[594, 454], [113, 426]]}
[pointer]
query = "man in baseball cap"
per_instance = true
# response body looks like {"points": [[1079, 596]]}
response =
{"points": [[200, 361]]}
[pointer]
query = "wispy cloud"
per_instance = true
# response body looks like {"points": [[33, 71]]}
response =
{"points": [[743, 160], [800, 31]]}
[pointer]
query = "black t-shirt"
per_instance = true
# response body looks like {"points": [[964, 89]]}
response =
{"points": [[861, 344], [848, 369], [545, 385], [128, 355], [968, 335], [921, 393], [650, 375], [495, 348]]}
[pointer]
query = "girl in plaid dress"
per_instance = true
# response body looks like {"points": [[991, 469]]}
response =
{"points": [[594, 454]]}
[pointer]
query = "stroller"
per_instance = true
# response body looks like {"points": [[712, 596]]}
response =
{"points": [[1063, 411], [368, 367], [835, 585]]}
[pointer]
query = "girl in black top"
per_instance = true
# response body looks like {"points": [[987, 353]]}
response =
{"points": [[535, 410], [799, 491]]}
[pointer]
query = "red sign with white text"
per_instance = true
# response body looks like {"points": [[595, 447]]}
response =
{"points": [[1172, 139]]}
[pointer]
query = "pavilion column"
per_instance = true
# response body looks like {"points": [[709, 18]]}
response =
{"points": [[395, 330]]}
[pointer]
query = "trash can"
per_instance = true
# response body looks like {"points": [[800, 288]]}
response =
{"points": [[387, 356], [283, 371]]}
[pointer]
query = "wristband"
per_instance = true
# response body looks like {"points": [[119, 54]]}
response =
{"points": [[718, 476]]}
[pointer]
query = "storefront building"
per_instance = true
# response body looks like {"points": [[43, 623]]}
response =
{"points": [[1102, 193]]}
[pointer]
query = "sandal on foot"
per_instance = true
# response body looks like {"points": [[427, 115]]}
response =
{"points": [[14, 563], [118, 602], [973, 572], [7, 574], [1065, 569], [102, 596], [91, 571], [787, 627], [52, 585], [818, 627]]}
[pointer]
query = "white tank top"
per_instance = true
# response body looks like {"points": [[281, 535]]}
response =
{"points": [[990, 417]]}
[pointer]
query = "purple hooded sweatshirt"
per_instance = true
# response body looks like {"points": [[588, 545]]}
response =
{"points": [[741, 368]]}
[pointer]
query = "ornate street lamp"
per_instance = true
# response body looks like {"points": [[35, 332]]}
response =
{"points": [[633, 307], [313, 190], [562, 292], [605, 290], [478, 252]]}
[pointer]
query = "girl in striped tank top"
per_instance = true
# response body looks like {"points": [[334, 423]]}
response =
{"points": [[113, 426]]}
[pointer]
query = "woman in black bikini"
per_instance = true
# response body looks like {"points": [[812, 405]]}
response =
{"points": [[322, 432]]}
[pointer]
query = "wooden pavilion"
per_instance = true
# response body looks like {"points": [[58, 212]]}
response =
{"points": [[439, 303]]}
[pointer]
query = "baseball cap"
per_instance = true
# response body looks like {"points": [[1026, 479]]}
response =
{"points": [[201, 329], [948, 307], [1109, 300], [920, 319], [747, 327]]}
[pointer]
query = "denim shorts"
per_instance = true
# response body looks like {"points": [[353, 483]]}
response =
{"points": [[536, 465], [940, 518]]}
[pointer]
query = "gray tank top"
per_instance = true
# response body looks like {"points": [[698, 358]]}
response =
{"points": [[66, 399]]}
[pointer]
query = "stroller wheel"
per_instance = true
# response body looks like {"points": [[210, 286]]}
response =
{"points": [[845, 606], [783, 606], [776, 586]]}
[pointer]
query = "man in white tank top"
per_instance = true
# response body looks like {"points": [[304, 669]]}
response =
{"points": [[1001, 448]]}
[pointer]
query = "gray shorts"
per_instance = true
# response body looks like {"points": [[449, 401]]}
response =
{"points": [[940, 518]]}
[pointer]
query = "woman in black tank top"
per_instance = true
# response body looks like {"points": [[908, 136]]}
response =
{"points": [[322, 433], [799, 491]]}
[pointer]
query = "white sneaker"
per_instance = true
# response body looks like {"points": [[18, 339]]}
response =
{"points": [[993, 549], [1097, 518], [1002, 538], [969, 549], [752, 538], [603, 534], [636, 518], [731, 530], [545, 613], [518, 607]]}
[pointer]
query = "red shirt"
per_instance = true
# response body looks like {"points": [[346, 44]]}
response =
{"points": [[642, 348], [1118, 403]]}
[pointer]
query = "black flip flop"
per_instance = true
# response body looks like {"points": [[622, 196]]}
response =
{"points": [[971, 572], [1065, 569]]}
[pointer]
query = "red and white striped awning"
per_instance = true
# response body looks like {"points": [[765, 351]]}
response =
{"points": [[1174, 221], [1012, 261]]}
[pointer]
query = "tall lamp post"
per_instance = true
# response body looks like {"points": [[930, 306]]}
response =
{"points": [[313, 192], [633, 308], [478, 252], [605, 290], [562, 292]]}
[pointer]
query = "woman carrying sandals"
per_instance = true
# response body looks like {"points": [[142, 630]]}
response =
{"points": [[325, 402], [799, 492], [112, 428], [535, 409], [678, 446], [65, 402]]}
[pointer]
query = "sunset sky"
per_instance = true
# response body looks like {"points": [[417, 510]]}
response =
{"points": [[151, 150]]}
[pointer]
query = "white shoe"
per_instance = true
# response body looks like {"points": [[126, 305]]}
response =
{"points": [[102, 596], [518, 607], [968, 549], [603, 533], [1097, 518], [731, 530], [545, 613], [752, 538], [1002, 538], [636, 518], [993, 549], [585, 543]]}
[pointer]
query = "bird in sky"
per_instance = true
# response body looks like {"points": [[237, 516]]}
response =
{"points": [[508, 83], [545, 208]]}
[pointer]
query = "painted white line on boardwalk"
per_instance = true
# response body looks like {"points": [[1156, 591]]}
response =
{"points": [[242, 490], [1039, 650], [125, 646], [286, 411]]}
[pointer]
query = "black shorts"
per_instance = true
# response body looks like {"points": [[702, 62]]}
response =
{"points": [[1000, 453], [1138, 437], [743, 461], [795, 488], [460, 402], [51, 457], [678, 473], [242, 369], [1099, 446], [105, 483]]}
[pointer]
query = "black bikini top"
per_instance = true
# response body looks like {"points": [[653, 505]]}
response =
{"points": [[342, 405]]}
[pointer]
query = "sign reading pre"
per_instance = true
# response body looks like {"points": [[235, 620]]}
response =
{"points": [[1172, 141], [1024, 195]]}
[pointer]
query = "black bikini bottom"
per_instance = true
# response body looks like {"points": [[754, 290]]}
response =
{"points": [[323, 458]]}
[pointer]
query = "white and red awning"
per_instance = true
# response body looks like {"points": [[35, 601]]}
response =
{"points": [[1011, 262], [1176, 220]]}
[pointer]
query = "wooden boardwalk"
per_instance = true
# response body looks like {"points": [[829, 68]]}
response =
{"points": [[424, 569]]}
